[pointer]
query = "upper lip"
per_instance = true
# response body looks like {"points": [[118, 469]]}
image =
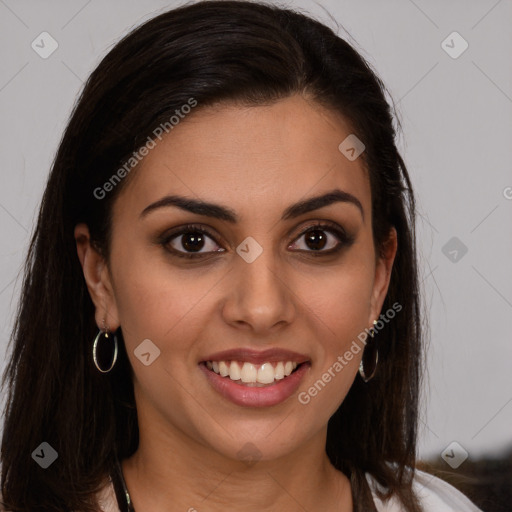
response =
{"points": [[257, 356]]}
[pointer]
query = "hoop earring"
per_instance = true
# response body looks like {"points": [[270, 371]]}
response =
{"points": [[374, 354], [104, 335]]}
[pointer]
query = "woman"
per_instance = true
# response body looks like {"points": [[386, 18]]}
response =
{"points": [[220, 308]]}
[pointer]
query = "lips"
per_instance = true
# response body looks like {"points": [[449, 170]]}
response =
{"points": [[255, 378]]}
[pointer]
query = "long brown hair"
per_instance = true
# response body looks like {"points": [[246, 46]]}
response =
{"points": [[211, 51]]}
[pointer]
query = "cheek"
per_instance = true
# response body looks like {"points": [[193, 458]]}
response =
{"points": [[338, 303], [340, 310], [340, 299], [158, 302]]}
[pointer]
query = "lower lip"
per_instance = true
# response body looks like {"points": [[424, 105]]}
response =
{"points": [[250, 396]]}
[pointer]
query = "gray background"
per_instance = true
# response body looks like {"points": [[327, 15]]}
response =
{"points": [[457, 123]]}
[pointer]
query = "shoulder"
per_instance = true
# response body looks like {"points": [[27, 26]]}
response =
{"points": [[435, 495]]}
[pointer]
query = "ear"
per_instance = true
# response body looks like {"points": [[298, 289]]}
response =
{"points": [[98, 280], [383, 267]]}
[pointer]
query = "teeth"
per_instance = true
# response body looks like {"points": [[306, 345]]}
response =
{"points": [[279, 371], [249, 373], [266, 373], [223, 369], [234, 371]]}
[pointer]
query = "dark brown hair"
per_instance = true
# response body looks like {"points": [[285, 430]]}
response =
{"points": [[216, 51]]}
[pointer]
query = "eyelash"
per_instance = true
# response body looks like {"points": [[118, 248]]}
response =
{"points": [[344, 239]]}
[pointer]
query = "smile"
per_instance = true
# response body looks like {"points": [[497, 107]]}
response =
{"points": [[251, 378]]}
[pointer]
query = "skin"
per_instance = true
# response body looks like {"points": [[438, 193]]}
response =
{"points": [[257, 161]]}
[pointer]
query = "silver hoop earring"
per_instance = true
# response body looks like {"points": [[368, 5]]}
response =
{"points": [[370, 353], [104, 336]]}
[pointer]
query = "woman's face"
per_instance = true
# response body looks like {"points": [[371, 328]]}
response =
{"points": [[257, 291]]}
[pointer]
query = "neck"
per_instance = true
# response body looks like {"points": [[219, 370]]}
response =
{"points": [[171, 472]]}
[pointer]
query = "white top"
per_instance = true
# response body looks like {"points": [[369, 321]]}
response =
{"points": [[435, 495]]}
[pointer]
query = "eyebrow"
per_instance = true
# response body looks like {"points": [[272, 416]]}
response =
{"points": [[224, 213]]}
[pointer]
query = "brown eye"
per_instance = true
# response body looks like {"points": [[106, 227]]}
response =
{"points": [[321, 239], [316, 239], [190, 242]]}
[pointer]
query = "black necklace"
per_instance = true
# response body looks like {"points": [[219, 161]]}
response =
{"points": [[124, 501]]}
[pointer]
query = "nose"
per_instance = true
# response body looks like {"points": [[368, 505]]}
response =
{"points": [[260, 298]]}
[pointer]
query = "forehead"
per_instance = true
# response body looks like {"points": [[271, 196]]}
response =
{"points": [[251, 156]]}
